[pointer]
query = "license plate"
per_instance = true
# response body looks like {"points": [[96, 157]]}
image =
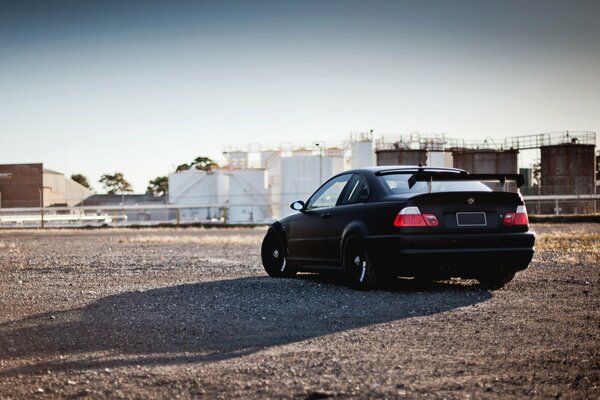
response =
{"points": [[471, 219]]}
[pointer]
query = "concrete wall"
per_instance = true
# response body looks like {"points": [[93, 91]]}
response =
{"points": [[61, 191]]}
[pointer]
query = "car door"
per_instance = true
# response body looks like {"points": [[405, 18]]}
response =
{"points": [[309, 231], [350, 207]]}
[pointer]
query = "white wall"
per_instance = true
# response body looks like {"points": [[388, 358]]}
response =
{"points": [[61, 190]]}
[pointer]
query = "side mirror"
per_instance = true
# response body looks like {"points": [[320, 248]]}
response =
{"points": [[297, 205]]}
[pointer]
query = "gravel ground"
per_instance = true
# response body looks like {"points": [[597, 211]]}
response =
{"points": [[188, 313]]}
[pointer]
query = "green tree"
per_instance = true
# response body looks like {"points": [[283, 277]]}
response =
{"points": [[115, 183], [537, 173], [201, 163], [158, 186], [204, 164], [82, 180], [182, 167]]}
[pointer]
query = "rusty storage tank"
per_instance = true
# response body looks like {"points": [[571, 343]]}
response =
{"points": [[401, 157], [486, 161], [569, 168]]}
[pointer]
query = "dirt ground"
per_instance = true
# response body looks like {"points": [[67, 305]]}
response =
{"points": [[189, 313]]}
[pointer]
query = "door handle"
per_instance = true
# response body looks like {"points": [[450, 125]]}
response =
{"points": [[326, 215]]}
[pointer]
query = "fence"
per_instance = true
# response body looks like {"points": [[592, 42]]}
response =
{"points": [[217, 214]]}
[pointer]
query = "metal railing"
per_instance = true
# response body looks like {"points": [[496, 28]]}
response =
{"points": [[221, 214]]}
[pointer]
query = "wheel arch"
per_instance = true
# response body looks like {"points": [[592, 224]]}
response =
{"points": [[277, 228], [357, 228]]}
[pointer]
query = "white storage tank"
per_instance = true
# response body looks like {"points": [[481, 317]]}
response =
{"points": [[237, 159], [301, 176], [207, 192], [362, 154], [249, 200], [271, 161]]}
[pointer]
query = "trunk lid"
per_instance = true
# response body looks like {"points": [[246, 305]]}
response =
{"points": [[468, 211]]}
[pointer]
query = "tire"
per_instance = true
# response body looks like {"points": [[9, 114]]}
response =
{"points": [[359, 270], [274, 258], [495, 281]]}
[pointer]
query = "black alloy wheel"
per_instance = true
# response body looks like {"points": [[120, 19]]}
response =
{"points": [[274, 257], [358, 268]]}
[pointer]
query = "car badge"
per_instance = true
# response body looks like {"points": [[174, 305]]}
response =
{"points": [[471, 200]]}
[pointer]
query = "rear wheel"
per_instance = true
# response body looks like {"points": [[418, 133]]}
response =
{"points": [[274, 258], [497, 280], [359, 270]]}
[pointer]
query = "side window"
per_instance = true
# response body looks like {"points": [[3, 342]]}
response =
{"points": [[357, 191], [328, 195]]}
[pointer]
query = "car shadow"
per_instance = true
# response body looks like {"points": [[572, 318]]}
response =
{"points": [[210, 321]]}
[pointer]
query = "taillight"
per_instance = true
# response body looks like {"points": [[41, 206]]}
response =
{"points": [[518, 218], [411, 216]]}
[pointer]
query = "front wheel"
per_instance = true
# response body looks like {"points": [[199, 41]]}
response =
{"points": [[274, 257]]}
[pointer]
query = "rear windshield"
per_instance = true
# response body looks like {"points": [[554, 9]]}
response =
{"points": [[398, 184]]}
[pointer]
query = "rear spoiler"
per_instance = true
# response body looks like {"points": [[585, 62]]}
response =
{"points": [[452, 176]]}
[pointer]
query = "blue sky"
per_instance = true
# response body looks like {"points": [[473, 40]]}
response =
{"points": [[140, 86]]}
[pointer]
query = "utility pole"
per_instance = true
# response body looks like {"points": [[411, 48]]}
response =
{"points": [[42, 206], [320, 163]]}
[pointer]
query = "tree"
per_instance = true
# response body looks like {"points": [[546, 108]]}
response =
{"points": [[182, 167], [158, 186], [201, 163], [537, 174], [82, 180], [204, 164], [115, 183]]}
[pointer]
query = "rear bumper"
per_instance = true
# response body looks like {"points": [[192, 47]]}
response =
{"points": [[464, 255]]}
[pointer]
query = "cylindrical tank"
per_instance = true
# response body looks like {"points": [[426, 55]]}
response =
{"points": [[401, 157], [486, 161], [237, 159], [362, 154], [249, 199], [301, 176], [569, 169], [271, 161], [204, 192]]}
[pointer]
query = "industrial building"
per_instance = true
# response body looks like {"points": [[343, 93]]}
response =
{"points": [[32, 185], [260, 181]]}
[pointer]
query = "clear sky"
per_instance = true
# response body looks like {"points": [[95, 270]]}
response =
{"points": [[95, 87]]}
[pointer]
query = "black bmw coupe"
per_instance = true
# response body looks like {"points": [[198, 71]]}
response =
{"points": [[376, 224]]}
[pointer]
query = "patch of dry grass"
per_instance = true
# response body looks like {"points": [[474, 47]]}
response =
{"points": [[571, 247], [195, 239], [5, 246]]}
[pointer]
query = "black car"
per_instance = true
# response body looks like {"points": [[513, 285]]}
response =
{"points": [[376, 224]]}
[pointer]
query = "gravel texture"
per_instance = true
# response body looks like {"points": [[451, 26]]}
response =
{"points": [[189, 313]]}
